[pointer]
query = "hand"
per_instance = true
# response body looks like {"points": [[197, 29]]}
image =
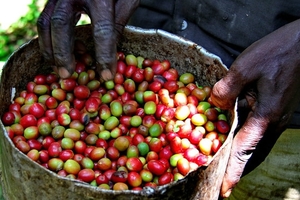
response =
{"points": [[56, 26], [267, 75]]}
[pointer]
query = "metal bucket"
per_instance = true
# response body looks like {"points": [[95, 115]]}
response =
{"points": [[22, 178]]}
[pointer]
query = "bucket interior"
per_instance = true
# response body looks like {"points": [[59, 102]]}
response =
{"points": [[25, 179]]}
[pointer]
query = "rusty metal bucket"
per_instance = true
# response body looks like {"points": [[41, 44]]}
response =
{"points": [[22, 178]]}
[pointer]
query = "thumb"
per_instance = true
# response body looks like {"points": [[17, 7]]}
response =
{"points": [[244, 144], [225, 91]]}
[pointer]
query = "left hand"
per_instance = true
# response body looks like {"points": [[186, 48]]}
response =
{"points": [[267, 74], [56, 32]]}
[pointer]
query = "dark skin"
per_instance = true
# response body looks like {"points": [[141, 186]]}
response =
{"points": [[56, 26], [264, 76], [267, 73]]}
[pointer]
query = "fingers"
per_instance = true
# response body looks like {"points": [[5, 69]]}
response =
{"points": [[63, 21], [44, 31], [243, 145], [224, 95], [56, 28], [102, 14], [124, 9], [226, 90], [108, 22]]}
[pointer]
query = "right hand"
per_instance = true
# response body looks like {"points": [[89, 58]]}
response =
{"points": [[266, 73], [56, 32]]}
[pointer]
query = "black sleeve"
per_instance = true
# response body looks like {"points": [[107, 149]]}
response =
{"points": [[155, 14]]}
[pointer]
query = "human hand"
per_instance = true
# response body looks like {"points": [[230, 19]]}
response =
{"points": [[267, 74], [56, 32]]}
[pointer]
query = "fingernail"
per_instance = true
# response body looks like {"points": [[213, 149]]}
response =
{"points": [[106, 74], [227, 194], [63, 73]]}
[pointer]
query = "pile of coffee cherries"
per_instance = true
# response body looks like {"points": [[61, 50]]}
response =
{"points": [[147, 127]]}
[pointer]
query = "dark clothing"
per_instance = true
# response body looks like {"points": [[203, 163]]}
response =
{"points": [[221, 27]]}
